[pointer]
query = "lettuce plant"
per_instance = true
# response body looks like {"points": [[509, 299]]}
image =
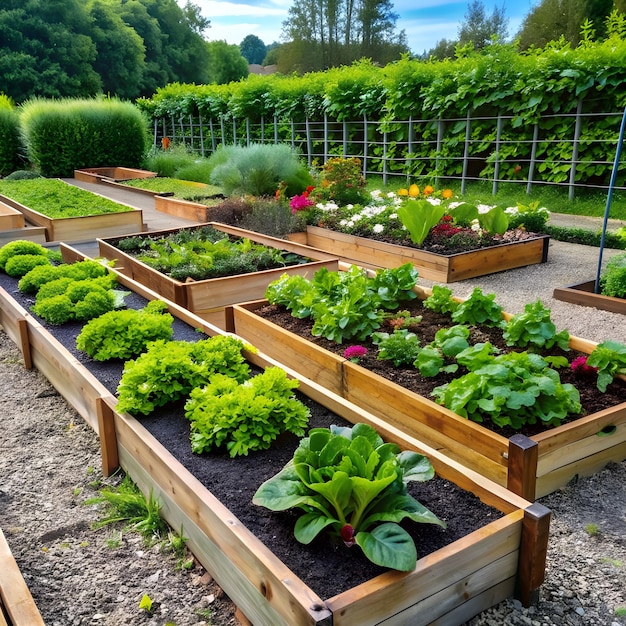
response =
{"points": [[125, 334], [534, 328], [479, 309], [609, 357], [244, 416], [20, 247], [441, 300], [418, 217], [348, 480]]}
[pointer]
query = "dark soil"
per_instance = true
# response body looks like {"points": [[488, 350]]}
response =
{"points": [[592, 399], [326, 566]]}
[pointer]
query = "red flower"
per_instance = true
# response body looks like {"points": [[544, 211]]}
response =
{"points": [[347, 534]]}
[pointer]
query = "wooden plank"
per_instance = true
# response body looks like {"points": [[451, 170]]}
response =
{"points": [[10, 218], [16, 597], [183, 208], [522, 468], [13, 319], [108, 436], [447, 568], [583, 294]]}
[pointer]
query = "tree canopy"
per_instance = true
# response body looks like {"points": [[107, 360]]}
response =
{"points": [[126, 48], [253, 49]]}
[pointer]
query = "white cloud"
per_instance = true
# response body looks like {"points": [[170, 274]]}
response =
{"points": [[213, 9]]}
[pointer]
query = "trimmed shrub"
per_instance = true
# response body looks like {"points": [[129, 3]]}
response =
{"points": [[62, 136]]}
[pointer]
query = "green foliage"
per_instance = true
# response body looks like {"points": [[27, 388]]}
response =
{"points": [[247, 416], [20, 264], [125, 334], [258, 169], [479, 309], [609, 357], [39, 276], [62, 136], [271, 217], [342, 181], [400, 347], [20, 247], [441, 300], [511, 390], [22, 175], [64, 300], [344, 305], [168, 163], [418, 217], [531, 216], [613, 278], [534, 328], [348, 480], [56, 199], [126, 503], [168, 370], [10, 141]]}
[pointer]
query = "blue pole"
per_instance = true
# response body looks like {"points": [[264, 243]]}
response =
{"points": [[609, 198]]}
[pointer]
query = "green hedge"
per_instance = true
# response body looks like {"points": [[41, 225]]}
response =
{"points": [[65, 135], [10, 144]]}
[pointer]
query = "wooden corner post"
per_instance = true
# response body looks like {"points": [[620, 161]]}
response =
{"points": [[108, 437], [533, 553], [522, 467]]}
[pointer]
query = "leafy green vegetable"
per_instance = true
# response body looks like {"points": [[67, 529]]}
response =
{"points": [[40, 275], [125, 334], [401, 347], [613, 278], [350, 481], [441, 300], [418, 217], [168, 370], [245, 416], [20, 247], [494, 221], [534, 328], [479, 309], [610, 359], [511, 390], [20, 264]]}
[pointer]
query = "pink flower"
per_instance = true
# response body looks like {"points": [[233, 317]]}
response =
{"points": [[580, 368], [354, 353], [301, 202]]}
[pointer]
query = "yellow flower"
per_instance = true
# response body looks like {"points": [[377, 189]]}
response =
{"points": [[414, 191], [403, 192], [428, 190], [446, 193]]}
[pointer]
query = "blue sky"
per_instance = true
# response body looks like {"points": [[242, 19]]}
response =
{"points": [[424, 21]]}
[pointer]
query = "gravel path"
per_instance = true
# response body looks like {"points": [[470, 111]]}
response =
{"points": [[50, 464]]}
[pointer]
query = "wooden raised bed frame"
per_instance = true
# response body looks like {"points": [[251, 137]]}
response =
{"points": [[10, 217], [207, 298], [450, 585], [183, 208], [70, 229], [104, 174], [584, 294], [437, 267], [531, 467]]}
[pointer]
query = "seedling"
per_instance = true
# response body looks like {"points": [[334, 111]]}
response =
{"points": [[592, 529], [146, 603]]}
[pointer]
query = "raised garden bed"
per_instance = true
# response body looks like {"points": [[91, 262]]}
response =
{"points": [[530, 466], [584, 294], [108, 218], [103, 174], [452, 584], [17, 607], [431, 266], [207, 298], [10, 217], [187, 209]]}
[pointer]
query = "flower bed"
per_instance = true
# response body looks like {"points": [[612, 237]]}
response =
{"points": [[532, 466], [68, 213], [207, 298], [453, 583]]}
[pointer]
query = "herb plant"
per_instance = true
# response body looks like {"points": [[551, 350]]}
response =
{"points": [[244, 416], [168, 370], [40, 275], [613, 278], [400, 347], [125, 334], [348, 480], [535, 329]]}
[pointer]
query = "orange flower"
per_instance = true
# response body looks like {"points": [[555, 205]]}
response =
{"points": [[428, 190], [414, 191], [403, 192], [446, 193], [165, 142]]}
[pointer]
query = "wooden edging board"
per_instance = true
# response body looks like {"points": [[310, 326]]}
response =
{"points": [[17, 607], [203, 297], [584, 294], [532, 467], [437, 267], [103, 174], [452, 584]]}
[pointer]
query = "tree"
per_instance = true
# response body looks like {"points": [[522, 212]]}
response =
{"points": [[551, 19], [225, 62], [479, 29], [328, 33], [253, 49]]}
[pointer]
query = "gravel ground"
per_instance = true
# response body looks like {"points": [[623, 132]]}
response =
{"points": [[50, 464]]}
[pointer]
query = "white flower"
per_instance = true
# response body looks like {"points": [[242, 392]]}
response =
{"points": [[453, 205], [375, 193], [434, 201], [391, 195], [393, 216], [475, 225], [511, 210], [378, 228], [349, 207], [484, 208]]}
